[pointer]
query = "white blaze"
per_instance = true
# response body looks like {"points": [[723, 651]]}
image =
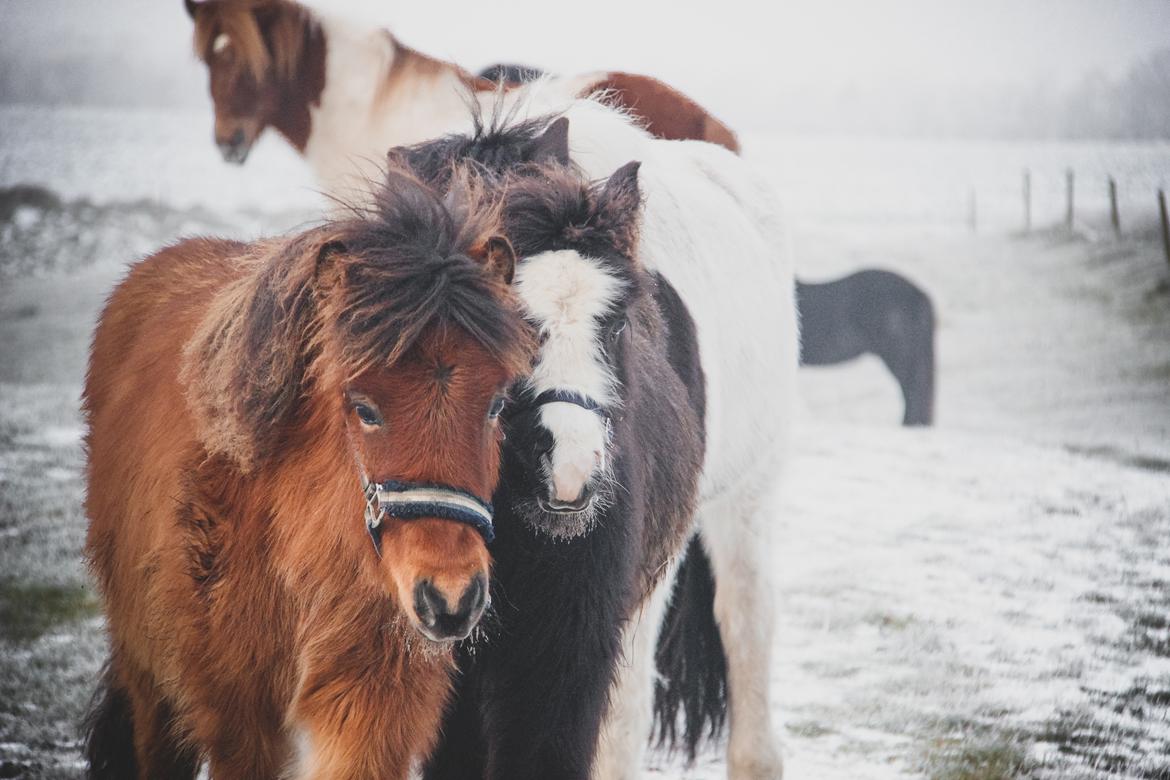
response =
{"points": [[566, 296]]}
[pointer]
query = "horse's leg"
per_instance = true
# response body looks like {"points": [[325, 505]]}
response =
{"points": [[157, 751], [461, 750], [630, 715], [915, 373], [344, 747], [546, 679], [736, 532], [372, 723], [237, 756], [908, 352], [109, 730], [244, 738]]}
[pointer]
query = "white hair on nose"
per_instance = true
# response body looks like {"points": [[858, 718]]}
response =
{"points": [[566, 295]]}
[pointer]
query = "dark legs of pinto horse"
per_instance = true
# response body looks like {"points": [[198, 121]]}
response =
{"points": [[875, 312], [532, 696]]}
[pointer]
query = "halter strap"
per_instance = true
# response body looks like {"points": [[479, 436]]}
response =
{"points": [[559, 396], [413, 500]]}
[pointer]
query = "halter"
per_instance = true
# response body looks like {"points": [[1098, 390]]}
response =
{"points": [[559, 396], [413, 500]]}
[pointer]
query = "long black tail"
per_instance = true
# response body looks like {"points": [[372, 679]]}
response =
{"points": [[692, 667], [109, 733]]}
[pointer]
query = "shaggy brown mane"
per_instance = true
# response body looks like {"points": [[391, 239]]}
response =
{"points": [[266, 33], [380, 278]]}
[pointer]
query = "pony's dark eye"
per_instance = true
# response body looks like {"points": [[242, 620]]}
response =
{"points": [[497, 407], [367, 414], [616, 329]]}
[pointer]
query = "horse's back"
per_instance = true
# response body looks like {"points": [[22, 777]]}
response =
{"points": [[890, 309], [663, 110], [871, 310], [829, 332]]}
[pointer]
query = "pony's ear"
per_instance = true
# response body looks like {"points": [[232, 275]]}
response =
{"points": [[192, 7], [618, 208], [553, 144], [498, 258]]}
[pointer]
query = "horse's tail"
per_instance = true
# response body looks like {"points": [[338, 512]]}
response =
{"points": [[109, 733], [692, 667]]}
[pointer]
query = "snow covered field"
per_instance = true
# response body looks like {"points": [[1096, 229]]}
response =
{"points": [[989, 598]]}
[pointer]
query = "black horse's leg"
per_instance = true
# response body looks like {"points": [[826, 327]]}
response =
{"points": [[460, 754], [909, 353], [546, 678], [919, 386]]}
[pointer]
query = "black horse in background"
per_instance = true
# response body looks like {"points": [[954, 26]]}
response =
{"points": [[876, 312]]}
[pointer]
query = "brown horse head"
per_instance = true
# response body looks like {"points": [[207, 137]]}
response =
{"points": [[375, 351], [265, 59]]}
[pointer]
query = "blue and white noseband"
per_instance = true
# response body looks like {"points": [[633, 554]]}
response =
{"points": [[411, 501]]}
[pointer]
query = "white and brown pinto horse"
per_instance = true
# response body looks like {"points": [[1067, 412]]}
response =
{"points": [[342, 94]]}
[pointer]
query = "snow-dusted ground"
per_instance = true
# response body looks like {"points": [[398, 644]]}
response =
{"points": [[988, 598]]}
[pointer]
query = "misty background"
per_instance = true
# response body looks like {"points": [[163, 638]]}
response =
{"points": [[1046, 69], [986, 598]]}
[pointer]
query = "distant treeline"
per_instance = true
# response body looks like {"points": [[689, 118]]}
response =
{"points": [[1133, 106]]}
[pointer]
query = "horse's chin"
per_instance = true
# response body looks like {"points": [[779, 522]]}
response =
{"points": [[561, 526], [421, 641], [235, 156]]}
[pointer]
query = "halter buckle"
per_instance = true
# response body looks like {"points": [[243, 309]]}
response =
{"points": [[374, 512]]}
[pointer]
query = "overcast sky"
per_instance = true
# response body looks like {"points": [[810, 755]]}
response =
{"points": [[800, 42], [721, 51]]}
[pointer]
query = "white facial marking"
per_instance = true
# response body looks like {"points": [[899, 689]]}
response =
{"points": [[566, 295], [221, 42], [578, 447]]}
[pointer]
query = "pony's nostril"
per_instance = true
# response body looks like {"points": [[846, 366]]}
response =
{"points": [[442, 621], [237, 138], [474, 598], [428, 603]]}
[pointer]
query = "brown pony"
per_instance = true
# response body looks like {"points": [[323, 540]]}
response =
{"points": [[266, 613], [342, 95]]}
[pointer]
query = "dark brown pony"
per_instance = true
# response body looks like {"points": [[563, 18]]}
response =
{"points": [[266, 614], [268, 63]]}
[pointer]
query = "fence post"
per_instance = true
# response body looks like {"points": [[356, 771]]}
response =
{"points": [[1027, 201], [1114, 213], [1069, 183], [1165, 223]]}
